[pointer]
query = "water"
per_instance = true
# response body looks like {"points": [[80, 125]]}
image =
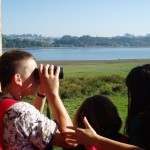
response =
{"points": [[90, 53]]}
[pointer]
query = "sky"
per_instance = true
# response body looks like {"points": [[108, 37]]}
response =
{"points": [[55, 18]]}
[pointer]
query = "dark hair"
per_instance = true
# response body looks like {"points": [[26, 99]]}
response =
{"points": [[11, 62], [138, 85], [101, 113]]}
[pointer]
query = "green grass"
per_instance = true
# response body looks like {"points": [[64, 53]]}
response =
{"points": [[108, 68], [86, 79]]}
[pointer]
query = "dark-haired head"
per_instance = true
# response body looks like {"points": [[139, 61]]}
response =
{"points": [[101, 113], [138, 85]]}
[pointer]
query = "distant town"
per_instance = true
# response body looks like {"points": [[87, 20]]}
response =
{"points": [[38, 41]]}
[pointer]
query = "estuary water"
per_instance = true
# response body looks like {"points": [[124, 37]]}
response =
{"points": [[90, 53]]}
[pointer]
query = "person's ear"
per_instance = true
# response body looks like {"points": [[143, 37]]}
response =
{"points": [[17, 79]]}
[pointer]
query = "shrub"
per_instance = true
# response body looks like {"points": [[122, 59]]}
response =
{"points": [[83, 87]]}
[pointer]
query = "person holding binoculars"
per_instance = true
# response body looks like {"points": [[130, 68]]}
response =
{"points": [[23, 126]]}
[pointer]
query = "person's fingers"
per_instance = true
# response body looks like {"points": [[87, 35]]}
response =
{"points": [[71, 141], [75, 130], [71, 127], [47, 70], [86, 123], [57, 71], [69, 133], [41, 68]]}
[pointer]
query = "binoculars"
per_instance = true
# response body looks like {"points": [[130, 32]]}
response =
{"points": [[36, 73]]}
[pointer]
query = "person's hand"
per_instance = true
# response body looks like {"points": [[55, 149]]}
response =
{"points": [[49, 80], [88, 126], [81, 136]]}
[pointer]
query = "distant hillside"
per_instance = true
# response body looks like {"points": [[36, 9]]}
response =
{"points": [[35, 41]]}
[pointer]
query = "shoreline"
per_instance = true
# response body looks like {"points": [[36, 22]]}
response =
{"points": [[41, 48], [92, 62], [63, 47]]}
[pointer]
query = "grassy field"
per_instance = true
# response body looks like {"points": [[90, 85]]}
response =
{"points": [[97, 67], [86, 78]]}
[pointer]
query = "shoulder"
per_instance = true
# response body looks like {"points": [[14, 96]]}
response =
{"points": [[22, 108], [24, 114], [23, 105], [135, 130], [25, 121], [136, 123]]}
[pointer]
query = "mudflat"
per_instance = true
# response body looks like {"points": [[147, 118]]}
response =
{"points": [[92, 62]]}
